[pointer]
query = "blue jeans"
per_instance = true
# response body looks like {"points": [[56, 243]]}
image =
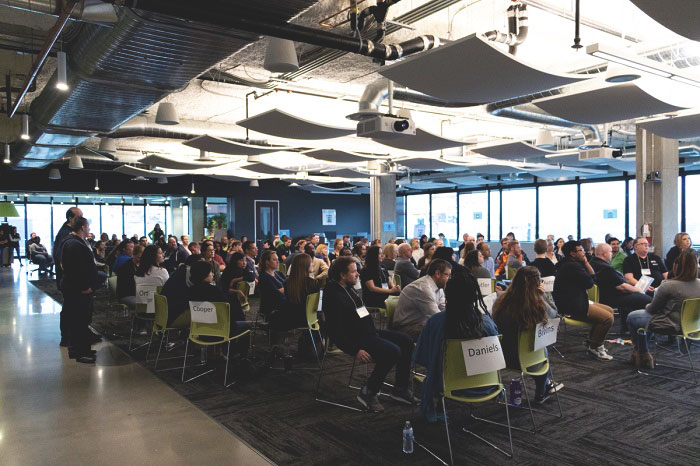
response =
{"points": [[636, 320]]}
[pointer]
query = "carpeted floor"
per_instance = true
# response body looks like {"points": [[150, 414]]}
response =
{"points": [[612, 415]]}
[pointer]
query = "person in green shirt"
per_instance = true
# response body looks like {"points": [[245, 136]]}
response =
{"points": [[618, 255]]}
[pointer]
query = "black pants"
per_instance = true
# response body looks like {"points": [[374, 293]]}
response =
{"points": [[628, 303], [388, 348], [77, 308]]}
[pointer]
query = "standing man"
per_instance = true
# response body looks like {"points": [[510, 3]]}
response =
{"points": [[79, 283], [71, 215], [643, 263]]}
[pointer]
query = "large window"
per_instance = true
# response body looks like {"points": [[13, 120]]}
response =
{"points": [[39, 221], [444, 218], [155, 214], [401, 216], [602, 210], [134, 221], [473, 213], [557, 211], [92, 213], [519, 213], [418, 215], [495, 216], [112, 222], [692, 214]]}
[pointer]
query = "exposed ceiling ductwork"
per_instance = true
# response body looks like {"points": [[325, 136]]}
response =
{"points": [[87, 10]]}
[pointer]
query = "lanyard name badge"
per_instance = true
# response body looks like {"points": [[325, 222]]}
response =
{"points": [[647, 270], [362, 310]]}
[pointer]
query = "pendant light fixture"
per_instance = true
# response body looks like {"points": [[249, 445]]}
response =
{"points": [[75, 162], [108, 145], [7, 154], [61, 72], [254, 184], [97, 185], [54, 174], [280, 56], [192, 191], [162, 180], [167, 114], [25, 127]]}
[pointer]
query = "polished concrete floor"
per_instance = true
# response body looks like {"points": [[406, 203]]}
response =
{"points": [[56, 411]]}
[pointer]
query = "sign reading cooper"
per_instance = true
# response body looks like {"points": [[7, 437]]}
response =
{"points": [[483, 355], [203, 312], [145, 294], [546, 333]]}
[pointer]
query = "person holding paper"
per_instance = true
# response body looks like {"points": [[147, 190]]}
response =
{"points": [[642, 262], [521, 307], [351, 328], [571, 284], [422, 299], [663, 314]]}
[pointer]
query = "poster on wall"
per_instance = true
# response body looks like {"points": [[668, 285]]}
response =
{"points": [[328, 216]]}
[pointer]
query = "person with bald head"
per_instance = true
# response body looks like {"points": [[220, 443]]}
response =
{"points": [[612, 286], [403, 267], [72, 215]]}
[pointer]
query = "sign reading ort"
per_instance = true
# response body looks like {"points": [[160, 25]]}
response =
{"points": [[145, 294], [203, 312], [546, 333], [483, 355]]}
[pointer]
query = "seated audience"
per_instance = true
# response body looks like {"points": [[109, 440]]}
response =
{"points": [[416, 250], [150, 271], [351, 328], [176, 290], [404, 268], [422, 298], [681, 242], [359, 252], [469, 246], [319, 267], [574, 278], [618, 255], [337, 246], [124, 253], [428, 251], [642, 262], [549, 252], [376, 283], [40, 255], [301, 244], [185, 241], [194, 248], [322, 253], [126, 284], [663, 314], [612, 287], [210, 258], [474, 262], [175, 255], [558, 244], [521, 307], [488, 263], [271, 285], [541, 262], [587, 245], [98, 250], [503, 251], [516, 257], [284, 250], [627, 245], [296, 289], [235, 272], [390, 253]]}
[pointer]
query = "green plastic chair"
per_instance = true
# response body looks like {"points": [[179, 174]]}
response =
{"points": [[397, 279], [312, 301], [510, 272], [594, 294], [455, 378], [160, 325], [216, 334], [141, 313], [533, 363], [245, 288], [390, 303], [283, 269]]}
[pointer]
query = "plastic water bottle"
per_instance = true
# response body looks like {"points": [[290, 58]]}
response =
{"points": [[408, 438], [516, 392]]}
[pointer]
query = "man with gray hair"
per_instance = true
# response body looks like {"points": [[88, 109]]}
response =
{"points": [[404, 268]]}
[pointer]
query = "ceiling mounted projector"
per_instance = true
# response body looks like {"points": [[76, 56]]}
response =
{"points": [[386, 127]]}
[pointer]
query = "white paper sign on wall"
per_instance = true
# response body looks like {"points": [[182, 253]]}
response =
{"points": [[483, 355], [145, 294], [203, 312], [548, 283], [546, 333]]}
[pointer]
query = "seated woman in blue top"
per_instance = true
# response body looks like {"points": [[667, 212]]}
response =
{"points": [[521, 307], [270, 286], [376, 284]]}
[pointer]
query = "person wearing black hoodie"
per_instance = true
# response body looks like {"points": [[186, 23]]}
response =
{"points": [[79, 284], [63, 233]]}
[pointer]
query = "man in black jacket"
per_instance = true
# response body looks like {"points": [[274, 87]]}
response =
{"points": [[79, 283], [175, 255], [351, 328], [71, 214]]}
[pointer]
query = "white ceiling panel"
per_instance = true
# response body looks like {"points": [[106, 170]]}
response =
{"points": [[134, 171], [678, 127], [472, 69], [423, 141], [226, 146], [429, 164], [513, 150], [180, 163], [471, 180], [428, 185], [267, 169], [337, 156], [680, 16], [346, 173], [275, 122]]}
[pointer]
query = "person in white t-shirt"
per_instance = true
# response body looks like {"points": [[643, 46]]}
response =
{"points": [[149, 271]]}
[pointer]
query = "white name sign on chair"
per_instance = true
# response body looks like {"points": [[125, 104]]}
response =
{"points": [[485, 285], [548, 283], [490, 300], [145, 294], [483, 355], [320, 301], [252, 288], [203, 312], [546, 333]]}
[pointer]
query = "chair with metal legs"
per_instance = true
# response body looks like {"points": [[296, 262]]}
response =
{"points": [[690, 330], [214, 334], [140, 313], [160, 327]]}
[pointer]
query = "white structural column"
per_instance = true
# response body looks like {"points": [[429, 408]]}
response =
{"points": [[657, 196], [382, 198], [197, 218]]}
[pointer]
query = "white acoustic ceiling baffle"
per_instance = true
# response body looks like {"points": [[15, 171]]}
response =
{"points": [[280, 56], [337, 156], [682, 126], [267, 169], [680, 16], [167, 114], [226, 146], [472, 69], [179, 163], [470, 180], [346, 173], [423, 141], [275, 122], [428, 185], [429, 164], [514, 150], [134, 171]]}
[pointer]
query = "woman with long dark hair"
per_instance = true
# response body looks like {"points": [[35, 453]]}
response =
{"points": [[473, 261], [376, 283], [558, 244], [521, 307], [428, 251], [296, 289], [149, 270], [271, 285]]}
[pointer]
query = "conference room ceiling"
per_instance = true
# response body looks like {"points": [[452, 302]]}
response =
{"points": [[329, 85]]}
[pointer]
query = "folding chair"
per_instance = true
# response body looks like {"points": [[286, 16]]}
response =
{"points": [[160, 326], [141, 313]]}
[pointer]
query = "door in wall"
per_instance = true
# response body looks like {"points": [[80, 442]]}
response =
{"points": [[267, 219]]}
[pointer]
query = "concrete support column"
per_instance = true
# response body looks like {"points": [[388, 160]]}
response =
{"points": [[657, 197], [176, 209], [198, 220], [382, 198]]}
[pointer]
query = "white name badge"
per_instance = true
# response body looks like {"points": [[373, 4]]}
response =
{"points": [[203, 312], [362, 312], [548, 283], [385, 286], [358, 285], [646, 271], [252, 288], [546, 333], [483, 355], [145, 294], [485, 285]]}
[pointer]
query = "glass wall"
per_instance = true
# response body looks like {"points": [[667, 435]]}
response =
{"points": [[155, 214], [557, 211], [39, 221], [134, 222], [495, 216], [418, 215], [92, 213], [519, 213], [112, 220], [444, 216], [19, 223], [692, 215], [602, 210], [473, 213]]}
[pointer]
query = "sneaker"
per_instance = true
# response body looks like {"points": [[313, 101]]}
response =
{"points": [[540, 399], [86, 359], [600, 353], [404, 395], [551, 388], [369, 400]]}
